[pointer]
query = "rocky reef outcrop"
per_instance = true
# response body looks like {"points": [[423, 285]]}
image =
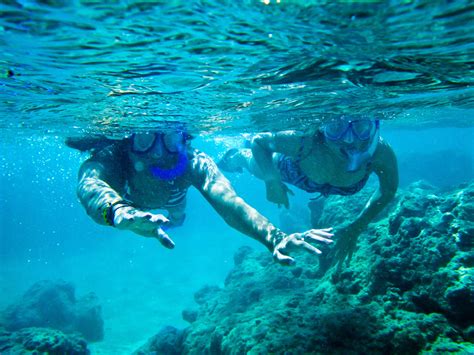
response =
{"points": [[408, 289], [41, 341], [53, 304]]}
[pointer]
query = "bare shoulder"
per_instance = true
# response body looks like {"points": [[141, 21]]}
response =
{"points": [[110, 155], [286, 142], [108, 164], [201, 165], [289, 136], [384, 155], [204, 175]]}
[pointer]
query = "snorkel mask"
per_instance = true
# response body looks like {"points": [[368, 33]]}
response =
{"points": [[351, 134], [158, 145]]}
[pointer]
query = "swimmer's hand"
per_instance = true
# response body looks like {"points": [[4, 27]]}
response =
{"points": [[284, 243], [277, 192], [143, 223], [346, 244]]}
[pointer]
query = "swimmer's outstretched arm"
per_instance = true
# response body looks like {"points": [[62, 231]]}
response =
{"points": [[385, 166], [100, 179], [217, 190]]}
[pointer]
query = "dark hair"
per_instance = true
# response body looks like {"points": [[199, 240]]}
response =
{"points": [[89, 143]]}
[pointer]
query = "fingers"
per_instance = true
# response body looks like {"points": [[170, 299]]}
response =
{"points": [[298, 240], [278, 193], [283, 259], [152, 217], [322, 232], [343, 254], [311, 248], [159, 218], [319, 235], [133, 215], [147, 221], [349, 257], [316, 238], [326, 229], [286, 200], [164, 239]]}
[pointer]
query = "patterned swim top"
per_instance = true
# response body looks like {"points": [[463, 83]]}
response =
{"points": [[176, 198], [292, 174]]}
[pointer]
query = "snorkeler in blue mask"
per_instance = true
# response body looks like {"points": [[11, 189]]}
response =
{"points": [[356, 139], [335, 160], [158, 146], [124, 181]]}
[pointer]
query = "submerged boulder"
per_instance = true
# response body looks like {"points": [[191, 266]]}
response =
{"points": [[168, 341], [53, 304]]}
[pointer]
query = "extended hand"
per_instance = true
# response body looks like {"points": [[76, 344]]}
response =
{"points": [[346, 244], [277, 192], [300, 240], [143, 223]]}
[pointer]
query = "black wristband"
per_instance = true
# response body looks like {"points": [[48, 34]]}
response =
{"points": [[109, 212], [274, 238]]}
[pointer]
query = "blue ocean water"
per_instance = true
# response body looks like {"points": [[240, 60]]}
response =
{"points": [[226, 69]]}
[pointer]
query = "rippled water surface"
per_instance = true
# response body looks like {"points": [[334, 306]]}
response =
{"points": [[82, 66]]}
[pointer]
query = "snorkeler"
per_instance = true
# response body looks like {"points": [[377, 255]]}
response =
{"points": [[337, 160], [125, 179]]}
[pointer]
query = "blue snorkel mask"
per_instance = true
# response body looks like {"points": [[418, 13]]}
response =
{"points": [[346, 133], [157, 145]]}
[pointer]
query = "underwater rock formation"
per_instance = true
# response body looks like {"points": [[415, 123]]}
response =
{"points": [[54, 305], [41, 341], [409, 288], [168, 341]]}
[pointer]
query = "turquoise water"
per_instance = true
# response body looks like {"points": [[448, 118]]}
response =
{"points": [[227, 69]]}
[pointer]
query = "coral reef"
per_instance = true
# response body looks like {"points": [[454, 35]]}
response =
{"points": [[54, 305], [41, 341], [409, 288]]}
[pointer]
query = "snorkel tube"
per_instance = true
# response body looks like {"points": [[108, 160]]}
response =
{"points": [[156, 150], [350, 136], [357, 158], [172, 173], [179, 149]]}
